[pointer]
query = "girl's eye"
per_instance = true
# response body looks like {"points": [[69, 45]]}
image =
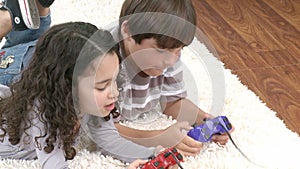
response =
{"points": [[101, 89]]}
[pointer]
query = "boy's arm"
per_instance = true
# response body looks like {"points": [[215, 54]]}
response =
{"points": [[170, 137], [136, 133], [184, 110], [176, 105]]}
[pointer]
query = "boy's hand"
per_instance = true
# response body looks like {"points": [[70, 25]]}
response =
{"points": [[222, 138], [170, 137], [189, 147]]}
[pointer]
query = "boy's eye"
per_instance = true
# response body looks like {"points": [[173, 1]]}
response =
{"points": [[160, 50]]}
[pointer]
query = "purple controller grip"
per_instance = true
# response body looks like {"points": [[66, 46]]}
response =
{"points": [[205, 131]]}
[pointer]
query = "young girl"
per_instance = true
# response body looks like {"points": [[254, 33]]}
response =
{"points": [[70, 82]]}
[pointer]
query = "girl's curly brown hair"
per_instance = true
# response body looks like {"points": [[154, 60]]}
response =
{"points": [[47, 86]]}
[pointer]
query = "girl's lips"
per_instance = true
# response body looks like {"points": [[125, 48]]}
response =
{"points": [[110, 107]]}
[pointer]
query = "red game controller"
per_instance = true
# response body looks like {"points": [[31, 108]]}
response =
{"points": [[165, 159]]}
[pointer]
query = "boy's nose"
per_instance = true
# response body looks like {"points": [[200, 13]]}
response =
{"points": [[171, 59]]}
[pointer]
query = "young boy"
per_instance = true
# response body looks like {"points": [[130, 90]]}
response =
{"points": [[152, 34]]}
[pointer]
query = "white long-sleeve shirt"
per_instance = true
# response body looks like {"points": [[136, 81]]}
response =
{"points": [[102, 132]]}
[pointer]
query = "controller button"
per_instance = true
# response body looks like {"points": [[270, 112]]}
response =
{"points": [[167, 154], [156, 163], [229, 126], [179, 157], [225, 119]]}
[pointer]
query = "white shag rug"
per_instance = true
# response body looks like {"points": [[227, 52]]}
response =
{"points": [[262, 136]]}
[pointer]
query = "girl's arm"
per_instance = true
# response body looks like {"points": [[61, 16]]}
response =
{"points": [[54, 159], [106, 136]]}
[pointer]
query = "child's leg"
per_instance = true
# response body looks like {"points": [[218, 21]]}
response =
{"points": [[24, 13], [46, 3], [16, 37], [5, 23], [43, 6]]}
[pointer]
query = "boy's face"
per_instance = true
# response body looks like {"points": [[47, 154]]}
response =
{"points": [[97, 87], [151, 59]]}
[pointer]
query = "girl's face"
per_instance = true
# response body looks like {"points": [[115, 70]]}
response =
{"points": [[97, 88]]}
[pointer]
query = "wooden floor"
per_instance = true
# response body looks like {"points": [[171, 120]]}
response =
{"points": [[260, 41]]}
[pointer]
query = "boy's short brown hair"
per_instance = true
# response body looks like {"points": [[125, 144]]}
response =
{"points": [[170, 22]]}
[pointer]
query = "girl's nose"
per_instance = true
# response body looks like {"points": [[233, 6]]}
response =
{"points": [[114, 93]]}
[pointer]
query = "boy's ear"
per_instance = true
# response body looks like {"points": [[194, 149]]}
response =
{"points": [[125, 30]]}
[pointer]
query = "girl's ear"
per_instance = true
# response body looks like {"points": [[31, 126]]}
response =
{"points": [[125, 30]]}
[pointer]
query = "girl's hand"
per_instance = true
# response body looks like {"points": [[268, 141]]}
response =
{"points": [[135, 164]]}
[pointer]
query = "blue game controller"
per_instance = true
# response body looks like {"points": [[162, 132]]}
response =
{"points": [[205, 131]]}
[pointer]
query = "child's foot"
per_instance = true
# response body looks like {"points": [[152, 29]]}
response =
{"points": [[46, 3], [24, 13]]}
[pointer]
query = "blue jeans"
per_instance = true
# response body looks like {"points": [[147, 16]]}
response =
{"points": [[17, 51], [14, 38]]}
